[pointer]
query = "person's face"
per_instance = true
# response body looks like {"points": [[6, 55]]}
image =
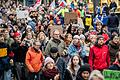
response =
{"points": [[1, 39], [75, 60], [99, 26], [105, 29], [80, 31], [96, 78], [6, 34], [42, 37], [29, 36], [50, 65], [54, 55], [101, 41], [69, 38], [18, 39], [56, 35], [93, 38], [75, 41], [37, 45], [85, 75], [116, 39]]}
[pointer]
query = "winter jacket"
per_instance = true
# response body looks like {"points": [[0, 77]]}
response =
{"points": [[5, 55], [99, 57], [49, 74], [19, 52], [34, 59], [55, 43], [61, 65], [115, 66], [113, 49], [72, 50], [113, 21]]}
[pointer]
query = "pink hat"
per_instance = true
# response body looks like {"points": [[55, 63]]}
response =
{"points": [[47, 60]]}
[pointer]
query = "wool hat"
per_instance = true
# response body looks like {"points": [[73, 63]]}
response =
{"points": [[76, 37], [47, 60], [82, 36], [85, 67], [100, 36], [16, 34], [53, 50]]}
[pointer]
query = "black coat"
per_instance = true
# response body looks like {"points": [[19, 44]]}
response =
{"points": [[68, 75], [19, 51], [114, 67], [113, 21]]}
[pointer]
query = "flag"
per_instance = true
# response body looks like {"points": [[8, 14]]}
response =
{"points": [[68, 2], [63, 3], [38, 3], [52, 5]]}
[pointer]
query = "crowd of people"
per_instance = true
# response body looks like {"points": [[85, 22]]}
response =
{"points": [[31, 49]]}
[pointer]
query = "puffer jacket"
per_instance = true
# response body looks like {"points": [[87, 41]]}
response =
{"points": [[99, 57], [34, 60]]}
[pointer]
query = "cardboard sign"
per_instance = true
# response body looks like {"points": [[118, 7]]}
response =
{"points": [[70, 17], [56, 27], [3, 52], [22, 14], [111, 75]]}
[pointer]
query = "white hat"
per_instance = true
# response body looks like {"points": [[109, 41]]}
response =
{"points": [[28, 26], [76, 37], [82, 36], [47, 60]]}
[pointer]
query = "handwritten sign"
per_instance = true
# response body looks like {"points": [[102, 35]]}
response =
{"points": [[3, 52], [22, 14], [111, 75], [70, 17]]}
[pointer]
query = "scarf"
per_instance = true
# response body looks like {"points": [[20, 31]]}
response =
{"points": [[50, 73]]}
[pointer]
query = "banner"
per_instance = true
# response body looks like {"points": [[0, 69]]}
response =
{"points": [[111, 74], [22, 14]]}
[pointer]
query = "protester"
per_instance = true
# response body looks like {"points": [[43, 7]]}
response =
{"points": [[19, 57], [73, 67], [55, 42], [6, 56], [96, 75], [34, 60], [113, 21], [83, 72], [114, 47], [116, 64], [99, 53], [50, 71]]}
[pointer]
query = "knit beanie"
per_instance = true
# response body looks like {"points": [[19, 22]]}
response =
{"points": [[100, 36], [47, 60], [85, 67], [53, 50], [82, 36]]}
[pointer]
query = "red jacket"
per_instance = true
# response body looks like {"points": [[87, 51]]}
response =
{"points": [[99, 57]]}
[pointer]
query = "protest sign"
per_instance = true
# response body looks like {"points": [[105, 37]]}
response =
{"points": [[56, 27], [22, 14], [111, 75], [70, 17]]}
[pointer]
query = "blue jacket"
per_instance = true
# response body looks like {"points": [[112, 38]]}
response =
{"points": [[72, 50]]}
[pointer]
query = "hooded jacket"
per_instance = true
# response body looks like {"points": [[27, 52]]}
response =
{"points": [[113, 49], [99, 57], [34, 60]]}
